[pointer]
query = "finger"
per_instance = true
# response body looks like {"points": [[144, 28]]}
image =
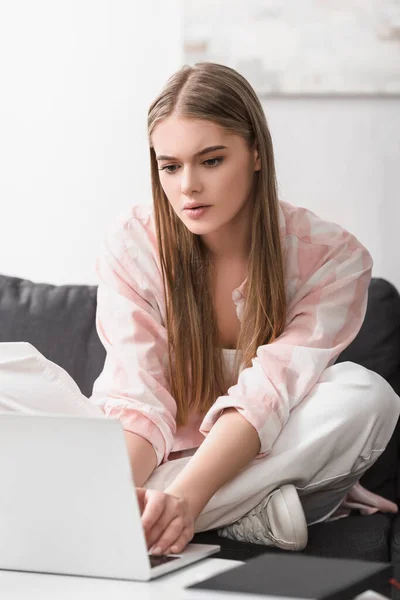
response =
{"points": [[161, 525], [169, 536], [186, 537], [180, 544], [153, 509]]}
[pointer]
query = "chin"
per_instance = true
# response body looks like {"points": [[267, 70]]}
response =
{"points": [[199, 228]]}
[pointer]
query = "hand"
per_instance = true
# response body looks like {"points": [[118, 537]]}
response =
{"points": [[167, 521]]}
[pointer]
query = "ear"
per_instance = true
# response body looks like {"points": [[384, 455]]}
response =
{"points": [[257, 160]]}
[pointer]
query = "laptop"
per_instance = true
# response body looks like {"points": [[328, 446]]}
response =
{"points": [[68, 503]]}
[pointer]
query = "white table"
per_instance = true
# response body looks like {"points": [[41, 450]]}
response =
{"points": [[15, 585]]}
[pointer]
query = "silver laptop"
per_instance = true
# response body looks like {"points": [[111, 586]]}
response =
{"points": [[68, 503]]}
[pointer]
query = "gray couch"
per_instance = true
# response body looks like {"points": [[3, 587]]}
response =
{"points": [[60, 322]]}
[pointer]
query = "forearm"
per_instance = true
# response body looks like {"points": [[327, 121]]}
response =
{"points": [[230, 445], [142, 457]]}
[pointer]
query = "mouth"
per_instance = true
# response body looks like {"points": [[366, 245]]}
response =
{"points": [[196, 207], [197, 211]]}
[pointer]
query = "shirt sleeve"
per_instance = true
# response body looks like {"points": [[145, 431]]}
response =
{"points": [[133, 386], [323, 318]]}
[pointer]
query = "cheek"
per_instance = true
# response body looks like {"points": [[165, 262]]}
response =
{"points": [[236, 184], [169, 187]]}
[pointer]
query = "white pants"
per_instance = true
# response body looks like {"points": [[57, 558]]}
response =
{"points": [[331, 438]]}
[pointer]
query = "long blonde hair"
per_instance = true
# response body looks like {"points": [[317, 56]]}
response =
{"points": [[219, 94]]}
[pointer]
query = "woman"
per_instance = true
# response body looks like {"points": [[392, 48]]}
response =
{"points": [[216, 270], [223, 311]]}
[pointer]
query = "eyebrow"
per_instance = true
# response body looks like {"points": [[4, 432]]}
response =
{"points": [[204, 151]]}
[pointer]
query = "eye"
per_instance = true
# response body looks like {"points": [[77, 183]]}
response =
{"points": [[220, 159], [167, 167], [216, 161]]}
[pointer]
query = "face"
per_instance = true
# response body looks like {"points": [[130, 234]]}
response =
{"points": [[191, 172]]}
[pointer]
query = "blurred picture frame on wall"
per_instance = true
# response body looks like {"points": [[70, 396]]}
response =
{"points": [[300, 47]]}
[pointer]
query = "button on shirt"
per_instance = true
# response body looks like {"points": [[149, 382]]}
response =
{"points": [[327, 274]]}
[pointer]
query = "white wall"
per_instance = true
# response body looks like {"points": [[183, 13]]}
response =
{"points": [[340, 157], [76, 81]]}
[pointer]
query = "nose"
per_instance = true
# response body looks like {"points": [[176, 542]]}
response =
{"points": [[189, 182]]}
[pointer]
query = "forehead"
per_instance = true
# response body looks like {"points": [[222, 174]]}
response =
{"points": [[178, 135]]}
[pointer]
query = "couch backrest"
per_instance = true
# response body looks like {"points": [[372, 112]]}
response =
{"points": [[377, 344], [60, 322]]}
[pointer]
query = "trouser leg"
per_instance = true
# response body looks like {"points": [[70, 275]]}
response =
{"points": [[331, 438]]}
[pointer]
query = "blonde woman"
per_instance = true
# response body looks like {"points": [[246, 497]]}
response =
{"points": [[223, 310]]}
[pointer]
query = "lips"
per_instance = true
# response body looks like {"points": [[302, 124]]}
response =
{"points": [[197, 213], [192, 206]]}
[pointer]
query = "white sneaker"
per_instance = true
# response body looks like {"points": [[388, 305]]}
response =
{"points": [[278, 520]]}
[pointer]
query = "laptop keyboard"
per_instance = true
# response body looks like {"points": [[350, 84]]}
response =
{"points": [[160, 559]]}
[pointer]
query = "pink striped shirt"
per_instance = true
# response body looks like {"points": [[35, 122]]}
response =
{"points": [[327, 276], [327, 273]]}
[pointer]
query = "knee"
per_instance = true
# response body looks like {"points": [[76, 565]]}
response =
{"points": [[376, 397], [382, 399]]}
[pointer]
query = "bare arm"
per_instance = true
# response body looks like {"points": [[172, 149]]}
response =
{"points": [[142, 457], [231, 444]]}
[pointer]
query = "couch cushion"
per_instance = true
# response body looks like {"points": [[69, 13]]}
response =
{"points": [[362, 537], [395, 548], [59, 320], [377, 347]]}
